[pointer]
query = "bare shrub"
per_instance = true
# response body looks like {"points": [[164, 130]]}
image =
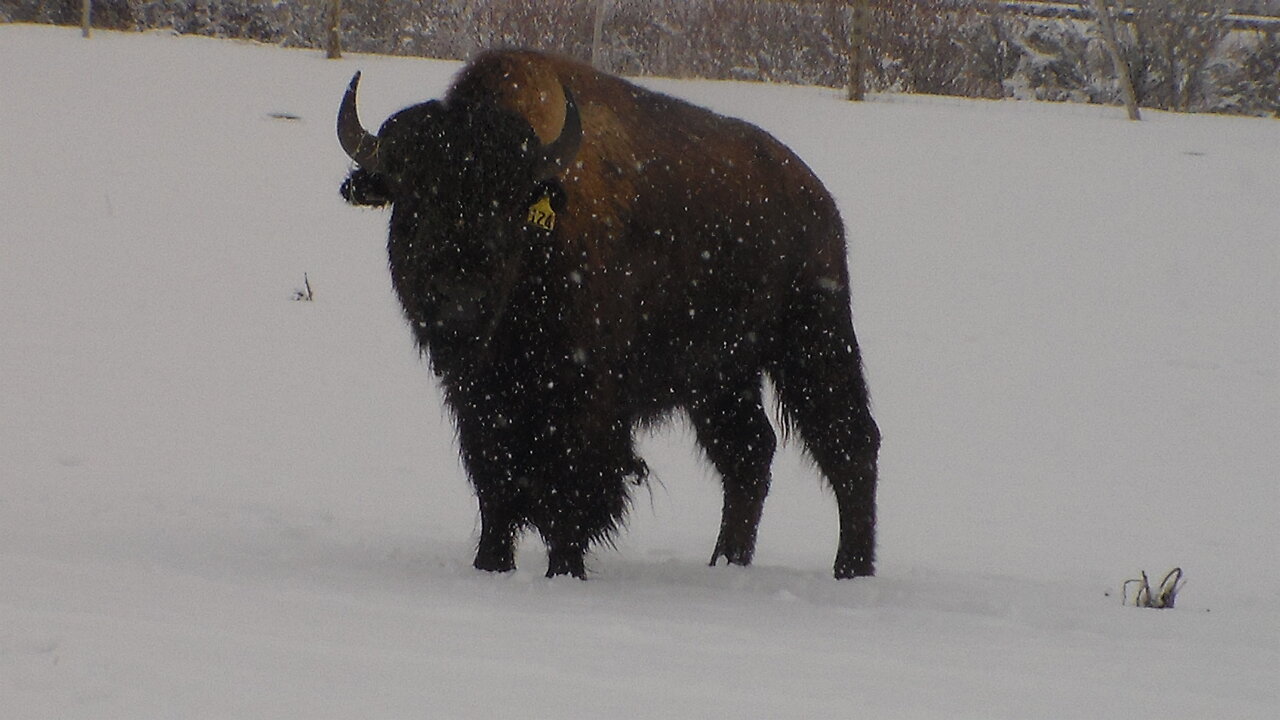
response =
{"points": [[562, 26], [1248, 80], [1182, 54], [916, 46], [1172, 45], [107, 14], [1053, 63], [757, 40]]}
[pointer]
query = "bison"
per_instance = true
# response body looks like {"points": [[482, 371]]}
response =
{"points": [[579, 257]]}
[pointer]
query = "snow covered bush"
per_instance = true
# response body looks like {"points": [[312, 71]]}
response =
{"points": [[920, 46], [1053, 63], [247, 19], [1170, 47], [740, 39], [109, 14], [563, 26], [1247, 80]]}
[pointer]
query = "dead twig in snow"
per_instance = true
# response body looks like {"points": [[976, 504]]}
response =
{"points": [[304, 295]]}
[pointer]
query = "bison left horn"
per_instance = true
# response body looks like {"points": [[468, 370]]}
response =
{"points": [[557, 154], [359, 144]]}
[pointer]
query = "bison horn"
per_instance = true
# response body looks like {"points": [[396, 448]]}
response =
{"points": [[359, 144], [557, 154]]}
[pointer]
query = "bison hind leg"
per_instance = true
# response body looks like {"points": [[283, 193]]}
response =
{"points": [[733, 429], [824, 397]]}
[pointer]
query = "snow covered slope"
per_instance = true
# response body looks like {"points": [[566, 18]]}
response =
{"points": [[218, 502]]}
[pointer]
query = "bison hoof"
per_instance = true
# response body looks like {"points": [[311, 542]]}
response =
{"points": [[847, 568], [495, 562], [731, 557], [737, 548], [566, 562]]}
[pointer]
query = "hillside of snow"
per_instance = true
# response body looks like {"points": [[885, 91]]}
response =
{"points": [[219, 502]]}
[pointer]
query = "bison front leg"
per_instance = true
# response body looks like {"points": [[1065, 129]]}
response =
{"points": [[499, 477], [566, 558], [498, 527], [734, 430], [580, 511]]}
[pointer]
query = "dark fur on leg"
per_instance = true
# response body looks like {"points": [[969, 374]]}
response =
{"points": [[733, 429], [498, 528]]}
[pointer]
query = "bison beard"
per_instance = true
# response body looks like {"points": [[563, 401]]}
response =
{"points": [[691, 256]]}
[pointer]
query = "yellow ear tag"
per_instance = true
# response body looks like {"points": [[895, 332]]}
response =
{"points": [[541, 215]]}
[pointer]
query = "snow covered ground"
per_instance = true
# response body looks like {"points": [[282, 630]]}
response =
{"points": [[218, 502]]}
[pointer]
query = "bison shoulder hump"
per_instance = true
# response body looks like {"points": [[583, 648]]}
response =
{"points": [[529, 84]]}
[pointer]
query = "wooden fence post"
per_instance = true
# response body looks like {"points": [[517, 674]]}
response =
{"points": [[333, 27], [859, 22], [86, 17], [597, 36], [1108, 27]]}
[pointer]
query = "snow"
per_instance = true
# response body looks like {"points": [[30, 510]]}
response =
{"points": [[218, 502]]}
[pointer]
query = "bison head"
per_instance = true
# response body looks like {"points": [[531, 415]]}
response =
{"points": [[460, 165], [461, 179]]}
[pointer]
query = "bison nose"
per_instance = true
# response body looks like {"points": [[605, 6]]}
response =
{"points": [[348, 192], [364, 188]]}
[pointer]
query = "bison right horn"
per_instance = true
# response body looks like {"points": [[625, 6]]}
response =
{"points": [[359, 144]]}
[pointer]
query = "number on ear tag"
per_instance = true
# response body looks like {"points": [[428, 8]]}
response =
{"points": [[541, 215]]}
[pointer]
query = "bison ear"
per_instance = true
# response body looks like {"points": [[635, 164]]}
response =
{"points": [[554, 192], [557, 155]]}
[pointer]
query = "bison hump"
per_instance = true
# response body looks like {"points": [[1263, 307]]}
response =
{"points": [[528, 84]]}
